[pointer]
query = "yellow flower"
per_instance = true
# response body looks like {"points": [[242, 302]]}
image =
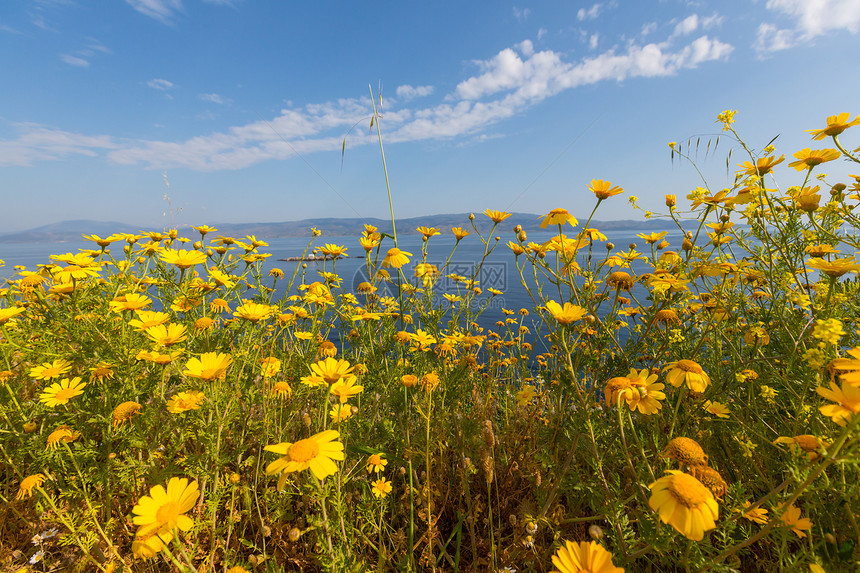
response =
{"points": [[583, 557], [209, 366], [185, 401], [791, 518], [762, 166], [567, 313], [430, 381], [459, 233], [834, 268], [270, 366], [63, 433], [644, 393], [409, 380], [428, 231], [380, 488], [806, 442], [717, 409], [147, 319], [690, 372], [163, 511], [340, 412], [684, 503], [204, 323], [345, 388], [331, 369], [281, 390], [315, 453], [757, 515], [497, 216], [558, 217], [167, 334], [131, 301], [183, 259], [158, 358], [7, 314], [604, 189], [836, 124], [847, 400], [376, 463], [685, 451], [124, 413], [50, 370], [652, 238], [61, 392], [28, 484], [254, 312], [395, 258], [809, 158]]}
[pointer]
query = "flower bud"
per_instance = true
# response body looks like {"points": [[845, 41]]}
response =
{"points": [[670, 200], [596, 532]]}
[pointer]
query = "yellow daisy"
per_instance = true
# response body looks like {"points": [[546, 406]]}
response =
{"points": [[684, 503], [28, 484], [61, 392], [63, 433], [583, 557], [209, 366], [50, 370], [567, 313], [331, 369], [124, 413], [395, 258], [185, 401], [690, 372], [558, 217], [380, 488], [161, 512], [315, 453], [376, 463]]}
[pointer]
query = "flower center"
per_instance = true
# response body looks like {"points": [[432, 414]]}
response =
{"points": [[688, 490], [303, 450], [168, 512], [64, 395], [689, 366]]}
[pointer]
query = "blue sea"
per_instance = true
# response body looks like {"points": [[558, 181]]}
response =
{"points": [[499, 270]]}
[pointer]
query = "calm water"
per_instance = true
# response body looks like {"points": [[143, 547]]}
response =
{"points": [[499, 270]]}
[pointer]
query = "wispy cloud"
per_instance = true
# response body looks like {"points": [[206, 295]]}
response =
{"points": [[81, 58], [160, 84], [162, 10], [811, 19], [408, 92], [506, 84], [213, 98], [521, 14], [589, 14], [74, 61], [37, 142]]}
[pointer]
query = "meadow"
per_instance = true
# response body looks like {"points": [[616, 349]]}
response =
{"points": [[656, 406]]}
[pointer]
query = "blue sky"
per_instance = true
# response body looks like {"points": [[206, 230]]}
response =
{"points": [[107, 108]]}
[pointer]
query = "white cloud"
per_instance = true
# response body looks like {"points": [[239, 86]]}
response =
{"points": [[161, 10], [160, 84], [811, 18], [769, 38], [74, 61], [526, 47], [649, 28], [36, 142], [686, 26], [592, 41], [589, 14], [521, 14], [213, 98], [506, 84], [541, 33], [408, 92]]}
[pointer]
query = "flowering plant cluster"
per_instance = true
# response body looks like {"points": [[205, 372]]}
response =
{"points": [[689, 402]]}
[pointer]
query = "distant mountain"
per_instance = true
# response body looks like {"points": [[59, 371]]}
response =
{"points": [[330, 227]]}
